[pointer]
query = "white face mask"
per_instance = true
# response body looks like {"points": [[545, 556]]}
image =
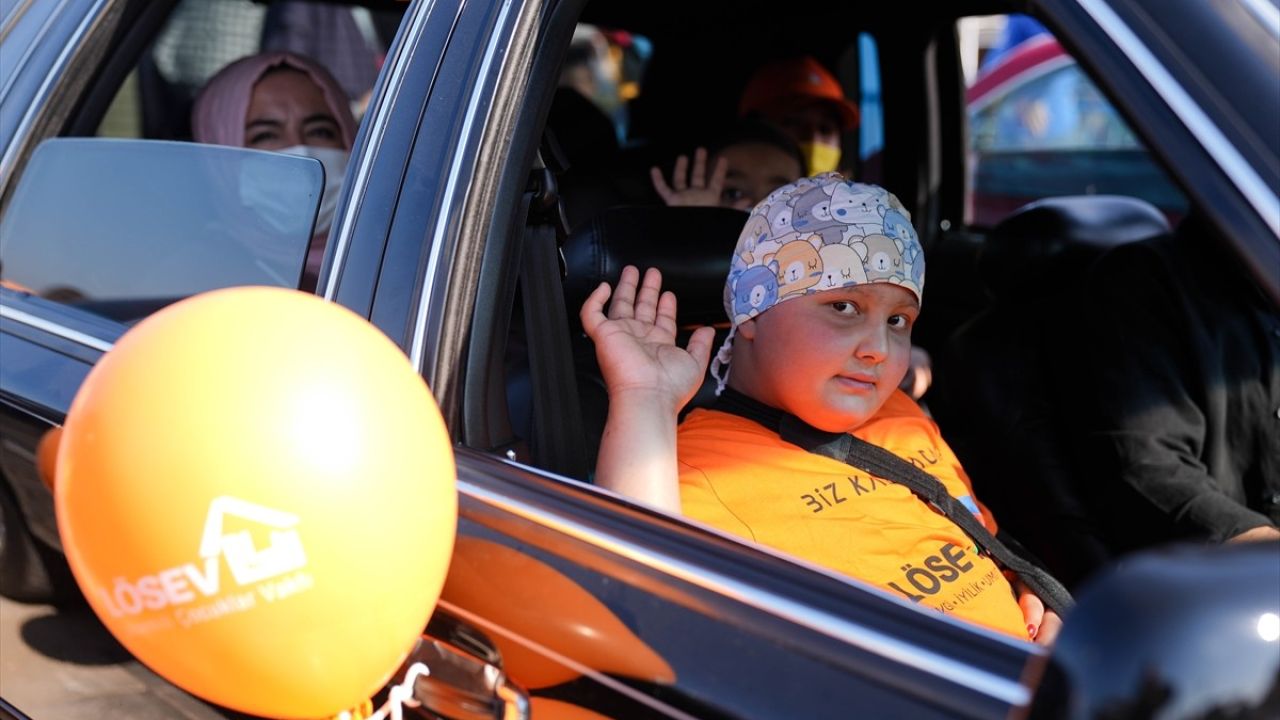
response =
{"points": [[335, 168]]}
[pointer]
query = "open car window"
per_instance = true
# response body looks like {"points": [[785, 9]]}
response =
{"points": [[1039, 127]]}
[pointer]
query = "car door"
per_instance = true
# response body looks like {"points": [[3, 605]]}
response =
{"points": [[46, 351]]}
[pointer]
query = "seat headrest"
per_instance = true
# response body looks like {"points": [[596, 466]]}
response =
{"points": [[692, 247], [1048, 242]]}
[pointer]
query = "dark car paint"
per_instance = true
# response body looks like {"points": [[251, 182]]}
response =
{"points": [[746, 634]]}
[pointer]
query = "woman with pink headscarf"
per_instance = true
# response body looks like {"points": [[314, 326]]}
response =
{"points": [[284, 102]]}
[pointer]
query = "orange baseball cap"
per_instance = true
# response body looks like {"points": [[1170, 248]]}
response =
{"points": [[796, 81]]}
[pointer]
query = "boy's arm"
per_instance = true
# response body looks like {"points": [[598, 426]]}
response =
{"points": [[649, 379]]}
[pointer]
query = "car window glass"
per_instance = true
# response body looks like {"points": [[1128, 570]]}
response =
{"points": [[870, 134], [1038, 127], [606, 66], [154, 222], [200, 37]]}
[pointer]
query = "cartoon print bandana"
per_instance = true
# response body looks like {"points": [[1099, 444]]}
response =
{"points": [[815, 234]]}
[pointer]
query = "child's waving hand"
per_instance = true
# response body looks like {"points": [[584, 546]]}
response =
{"points": [[635, 342], [649, 379]]}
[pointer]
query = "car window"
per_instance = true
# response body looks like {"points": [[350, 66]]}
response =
{"points": [[200, 37], [199, 219], [700, 248], [606, 67], [870, 132], [154, 222], [1038, 127]]}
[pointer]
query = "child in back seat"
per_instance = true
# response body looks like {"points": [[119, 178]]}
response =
{"points": [[822, 290]]}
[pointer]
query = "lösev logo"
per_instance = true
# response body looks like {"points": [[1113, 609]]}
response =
{"points": [[272, 573]]}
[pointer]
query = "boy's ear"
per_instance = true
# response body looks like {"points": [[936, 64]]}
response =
{"points": [[747, 329]]}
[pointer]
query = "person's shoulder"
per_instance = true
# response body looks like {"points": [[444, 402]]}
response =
{"points": [[704, 422], [708, 438]]}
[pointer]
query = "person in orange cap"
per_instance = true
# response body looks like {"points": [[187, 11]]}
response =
{"points": [[803, 98]]}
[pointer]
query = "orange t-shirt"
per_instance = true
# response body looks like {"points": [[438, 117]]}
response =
{"points": [[743, 478]]}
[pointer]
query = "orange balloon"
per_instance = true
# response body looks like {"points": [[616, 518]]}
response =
{"points": [[256, 494], [546, 607]]}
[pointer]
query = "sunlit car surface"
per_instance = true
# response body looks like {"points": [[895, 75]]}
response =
{"points": [[449, 216]]}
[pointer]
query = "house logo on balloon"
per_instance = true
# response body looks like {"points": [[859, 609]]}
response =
{"points": [[248, 564], [196, 591]]}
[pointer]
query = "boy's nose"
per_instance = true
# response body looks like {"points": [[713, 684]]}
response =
{"points": [[873, 346]]}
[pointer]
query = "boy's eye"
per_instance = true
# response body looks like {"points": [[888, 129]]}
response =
{"points": [[900, 322], [844, 307], [731, 195]]}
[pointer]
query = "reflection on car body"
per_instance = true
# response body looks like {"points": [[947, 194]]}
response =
{"points": [[450, 196]]}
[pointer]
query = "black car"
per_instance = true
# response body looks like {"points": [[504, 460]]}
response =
{"points": [[473, 189]]}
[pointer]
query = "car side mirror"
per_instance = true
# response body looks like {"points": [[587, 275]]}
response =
{"points": [[1183, 632]]}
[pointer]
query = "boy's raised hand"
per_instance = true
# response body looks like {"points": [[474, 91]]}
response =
{"points": [[691, 188], [635, 341]]}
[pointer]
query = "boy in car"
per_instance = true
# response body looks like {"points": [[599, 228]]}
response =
{"points": [[821, 330]]}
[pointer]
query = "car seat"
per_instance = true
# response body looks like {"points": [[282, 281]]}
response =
{"points": [[994, 393], [599, 172], [690, 245]]}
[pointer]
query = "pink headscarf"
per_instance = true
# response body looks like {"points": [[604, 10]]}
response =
{"points": [[218, 116]]}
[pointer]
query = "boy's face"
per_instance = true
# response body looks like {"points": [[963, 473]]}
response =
{"points": [[831, 358], [809, 123], [755, 170]]}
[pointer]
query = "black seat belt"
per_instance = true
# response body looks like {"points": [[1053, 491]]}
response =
{"points": [[558, 441], [873, 459]]}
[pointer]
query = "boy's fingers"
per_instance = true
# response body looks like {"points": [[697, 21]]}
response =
{"points": [[624, 295], [718, 173], [699, 175], [666, 319], [700, 345], [660, 185], [646, 306], [592, 312], [679, 179], [1049, 628], [1032, 612]]}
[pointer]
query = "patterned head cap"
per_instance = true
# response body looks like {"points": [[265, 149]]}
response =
{"points": [[819, 233]]}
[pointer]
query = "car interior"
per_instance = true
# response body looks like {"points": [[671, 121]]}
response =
{"points": [[666, 77], [992, 389]]}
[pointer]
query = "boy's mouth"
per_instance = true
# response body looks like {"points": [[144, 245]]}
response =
{"points": [[858, 382]]}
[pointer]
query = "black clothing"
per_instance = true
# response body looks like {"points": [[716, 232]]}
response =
{"points": [[1178, 363]]}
